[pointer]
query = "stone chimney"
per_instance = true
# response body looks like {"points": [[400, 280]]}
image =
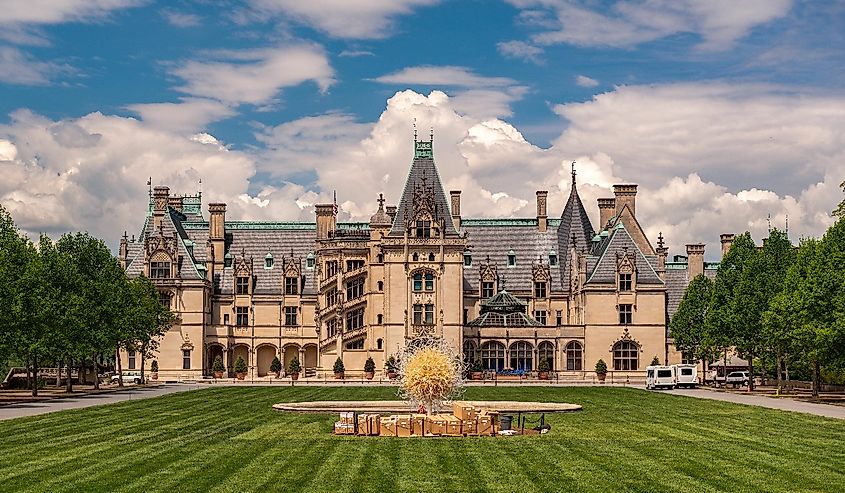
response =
{"points": [[326, 220], [727, 240], [175, 202], [217, 231], [123, 251], [456, 208], [160, 196], [662, 253], [542, 213], [607, 208], [391, 211], [625, 194], [695, 259]]}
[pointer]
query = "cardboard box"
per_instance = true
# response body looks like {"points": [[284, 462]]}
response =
{"points": [[418, 427], [469, 427], [347, 417], [436, 424], [485, 424], [403, 425], [463, 411], [368, 424], [388, 426], [453, 427], [344, 428]]}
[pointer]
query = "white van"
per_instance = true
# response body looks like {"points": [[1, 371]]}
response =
{"points": [[686, 375], [660, 376]]}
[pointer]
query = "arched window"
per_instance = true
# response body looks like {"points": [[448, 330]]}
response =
{"points": [[379, 342], [431, 257], [546, 352], [522, 356], [415, 257], [470, 352], [626, 356], [379, 320], [493, 356], [574, 356]]}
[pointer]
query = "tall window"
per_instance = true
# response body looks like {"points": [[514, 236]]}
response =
{"points": [[624, 282], [379, 344], [131, 355], [225, 319], [331, 297], [493, 356], [546, 352], [487, 290], [355, 345], [626, 314], [540, 316], [355, 319], [159, 270], [380, 285], [424, 314], [423, 282], [625, 356], [241, 316], [559, 317], [291, 285], [186, 359], [423, 229], [379, 319], [164, 298], [540, 289], [242, 285], [291, 313], [354, 289], [574, 356], [331, 268], [521, 355], [429, 281], [354, 264], [332, 327], [470, 350]]}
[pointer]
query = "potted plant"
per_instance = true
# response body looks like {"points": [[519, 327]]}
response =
{"points": [[294, 368], [217, 367], [370, 368], [276, 366], [338, 368], [543, 369], [601, 370], [655, 361], [154, 370], [476, 370], [240, 368], [390, 365]]}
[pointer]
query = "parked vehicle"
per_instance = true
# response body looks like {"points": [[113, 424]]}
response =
{"points": [[660, 376], [737, 378], [128, 376], [686, 375]]}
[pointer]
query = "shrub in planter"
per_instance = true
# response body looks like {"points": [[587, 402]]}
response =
{"points": [[601, 370], [543, 370], [154, 370], [276, 366], [476, 370], [294, 368], [655, 361], [370, 368], [390, 366], [338, 368], [217, 367], [240, 368]]}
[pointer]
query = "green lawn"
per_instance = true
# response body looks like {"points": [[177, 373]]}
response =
{"points": [[229, 439]]}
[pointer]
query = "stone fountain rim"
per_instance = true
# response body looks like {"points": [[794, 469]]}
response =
{"points": [[404, 407]]}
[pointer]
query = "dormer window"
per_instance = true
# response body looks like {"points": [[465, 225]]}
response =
{"points": [[159, 270], [625, 282], [552, 258], [467, 259], [423, 229], [309, 261], [227, 261], [511, 258], [540, 289], [268, 261]]}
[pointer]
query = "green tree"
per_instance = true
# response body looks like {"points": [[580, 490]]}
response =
{"points": [[687, 327], [147, 319], [840, 209]]}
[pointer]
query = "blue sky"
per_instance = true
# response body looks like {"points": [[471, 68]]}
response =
{"points": [[724, 112]]}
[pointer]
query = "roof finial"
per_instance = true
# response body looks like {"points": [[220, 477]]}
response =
{"points": [[415, 130], [660, 243], [431, 135], [573, 173], [769, 222], [787, 226], [334, 202], [380, 202]]}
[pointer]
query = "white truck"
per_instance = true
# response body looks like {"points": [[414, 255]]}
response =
{"points": [[660, 376], [686, 375]]}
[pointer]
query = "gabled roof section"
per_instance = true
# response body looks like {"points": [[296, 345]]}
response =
{"points": [[574, 222], [626, 217], [619, 241], [423, 190]]}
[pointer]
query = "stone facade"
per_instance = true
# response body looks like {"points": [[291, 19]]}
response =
{"points": [[327, 289]]}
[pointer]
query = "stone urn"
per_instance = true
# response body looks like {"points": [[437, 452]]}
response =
{"points": [[294, 376], [391, 375], [218, 374], [240, 376], [543, 375], [369, 375], [601, 376], [338, 375]]}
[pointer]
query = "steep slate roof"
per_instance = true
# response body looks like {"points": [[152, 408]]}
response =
{"points": [[171, 222], [619, 241], [573, 221], [494, 238], [423, 172], [677, 280]]}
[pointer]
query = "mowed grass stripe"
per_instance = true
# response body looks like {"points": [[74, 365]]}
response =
{"points": [[230, 439]]}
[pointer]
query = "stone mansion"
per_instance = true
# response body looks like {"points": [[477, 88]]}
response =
{"points": [[510, 292]]}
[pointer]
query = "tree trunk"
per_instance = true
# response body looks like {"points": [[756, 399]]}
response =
{"points": [[778, 363], [28, 374], [35, 376], [143, 350], [96, 373], [750, 372], [817, 377], [786, 369], [59, 373], [119, 367], [69, 382]]}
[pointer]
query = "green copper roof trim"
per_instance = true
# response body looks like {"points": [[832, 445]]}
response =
{"points": [[274, 225], [423, 150]]}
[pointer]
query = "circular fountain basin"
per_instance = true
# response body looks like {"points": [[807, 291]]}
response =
{"points": [[403, 406]]}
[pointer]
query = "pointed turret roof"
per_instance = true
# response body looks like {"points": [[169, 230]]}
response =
{"points": [[574, 223], [423, 186]]}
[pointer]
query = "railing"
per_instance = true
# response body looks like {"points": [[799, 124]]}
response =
{"points": [[355, 272], [329, 280]]}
